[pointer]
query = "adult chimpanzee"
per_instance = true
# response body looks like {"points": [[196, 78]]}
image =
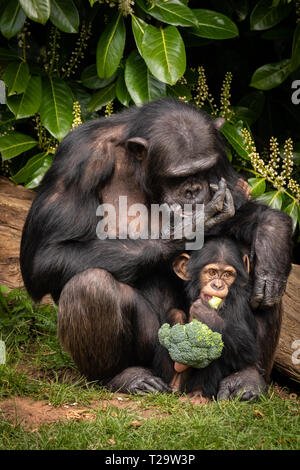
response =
{"points": [[113, 293], [219, 269]]}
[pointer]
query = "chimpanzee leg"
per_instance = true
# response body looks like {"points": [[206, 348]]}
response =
{"points": [[105, 326], [251, 381]]}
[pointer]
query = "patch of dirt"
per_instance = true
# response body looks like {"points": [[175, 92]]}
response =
{"points": [[31, 414]]}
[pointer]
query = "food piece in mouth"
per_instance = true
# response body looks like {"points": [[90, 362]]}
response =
{"points": [[214, 302]]}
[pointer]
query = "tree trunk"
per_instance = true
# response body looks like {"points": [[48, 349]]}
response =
{"points": [[15, 202], [287, 358]]}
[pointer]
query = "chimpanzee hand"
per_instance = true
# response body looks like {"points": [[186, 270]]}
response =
{"points": [[221, 206], [202, 312], [138, 380], [271, 248], [247, 384], [268, 289]]}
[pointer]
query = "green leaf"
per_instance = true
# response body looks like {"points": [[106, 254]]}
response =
{"points": [[12, 19], [16, 77], [64, 15], [265, 16], [235, 138], [110, 47], [102, 97], [214, 25], [39, 174], [250, 107], [138, 29], [255, 101], [8, 55], [36, 10], [295, 62], [179, 91], [272, 198], [257, 186], [121, 91], [14, 144], [164, 53], [271, 75], [33, 165], [56, 108], [172, 12], [90, 78], [141, 84], [293, 211], [27, 104]]}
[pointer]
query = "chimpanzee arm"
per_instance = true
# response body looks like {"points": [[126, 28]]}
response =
{"points": [[271, 248], [268, 232], [237, 327], [207, 315], [126, 260]]}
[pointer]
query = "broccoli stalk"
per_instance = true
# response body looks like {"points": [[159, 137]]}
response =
{"points": [[193, 344]]}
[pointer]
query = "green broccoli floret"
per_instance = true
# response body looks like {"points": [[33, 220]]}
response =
{"points": [[193, 344]]}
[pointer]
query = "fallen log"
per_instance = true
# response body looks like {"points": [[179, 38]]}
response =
{"points": [[15, 202]]}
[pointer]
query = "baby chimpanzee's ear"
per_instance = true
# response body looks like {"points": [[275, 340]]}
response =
{"points": [[246, 262], [179, 266]]}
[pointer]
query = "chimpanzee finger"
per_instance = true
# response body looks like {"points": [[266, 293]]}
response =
{"points": [[223, 393], [274, 290], [157, 384], [250, 395], [216, 203], [258, 292], [227, 212], [148, 384], [229, 208]]}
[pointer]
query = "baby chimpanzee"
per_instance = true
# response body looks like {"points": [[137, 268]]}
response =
{"points": [[219, 269]]}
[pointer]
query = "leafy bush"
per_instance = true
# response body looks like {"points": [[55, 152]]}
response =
{"points": [[67, 61]]}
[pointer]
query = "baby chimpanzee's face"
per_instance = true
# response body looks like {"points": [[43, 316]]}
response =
{"points": [[215, 280]]}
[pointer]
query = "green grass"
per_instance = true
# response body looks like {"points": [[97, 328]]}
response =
{"points": [[37, 367]]}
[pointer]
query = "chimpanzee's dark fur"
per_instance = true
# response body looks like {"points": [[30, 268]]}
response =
{"points": [[113, 293]]}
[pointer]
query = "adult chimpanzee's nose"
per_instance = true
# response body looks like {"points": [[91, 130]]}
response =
{"points": [[193, 191], [217, 284]]}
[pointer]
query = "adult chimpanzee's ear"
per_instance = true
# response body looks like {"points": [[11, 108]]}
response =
{"points": [[138, 146], [219, 123], [246, 262], [179, 266]]}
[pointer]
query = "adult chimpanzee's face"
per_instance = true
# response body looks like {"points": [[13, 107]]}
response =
{"points": [[181, 153], [193, 189]]}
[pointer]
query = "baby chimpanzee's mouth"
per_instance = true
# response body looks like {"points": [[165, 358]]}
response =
{"points": [[206, 297]]}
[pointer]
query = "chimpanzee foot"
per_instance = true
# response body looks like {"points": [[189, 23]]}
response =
{"points": [[246, 384], [138, 380]]}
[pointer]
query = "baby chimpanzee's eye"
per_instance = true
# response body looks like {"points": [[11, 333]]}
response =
{"points": [[212, 273], [228, 274]]}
